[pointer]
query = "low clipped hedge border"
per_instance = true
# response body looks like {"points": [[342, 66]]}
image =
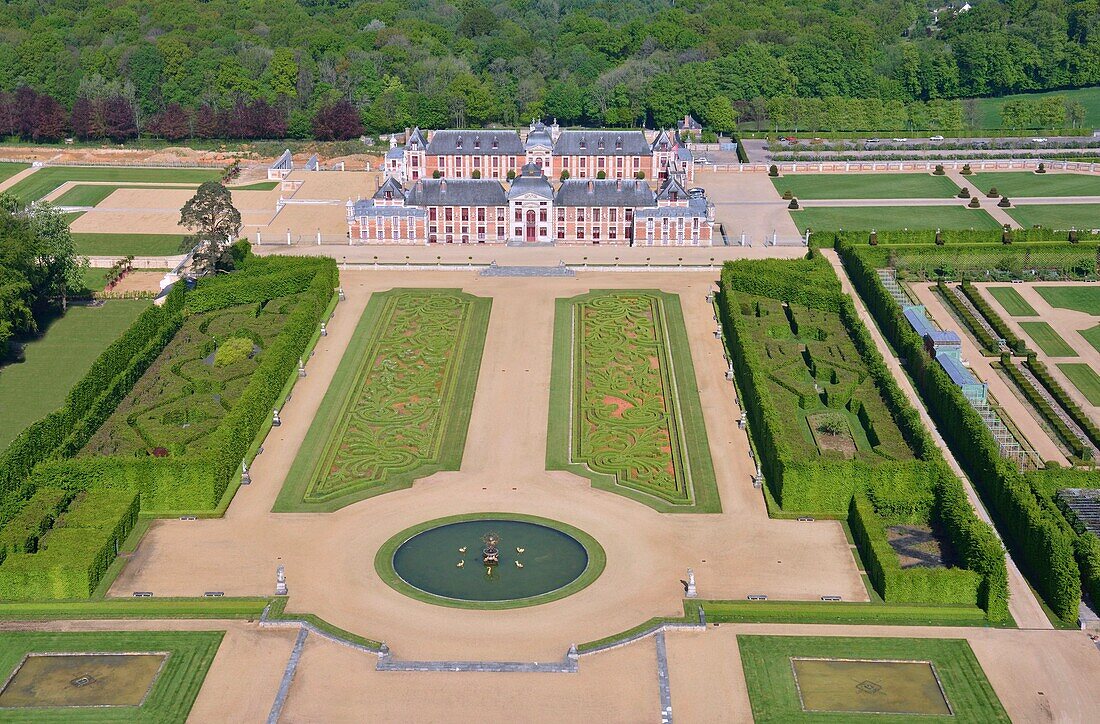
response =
{"points": [[1056, 391], [1033, 530], [957, 236], [988, 343], [1049, 414], [383, 563]]}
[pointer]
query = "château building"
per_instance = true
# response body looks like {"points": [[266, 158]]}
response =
{"points": [[621, 210]]}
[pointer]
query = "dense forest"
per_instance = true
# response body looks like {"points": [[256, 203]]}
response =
{"points": [[334, 68]]}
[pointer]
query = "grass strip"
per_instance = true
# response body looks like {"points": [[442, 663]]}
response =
{"points": [[1084, 378], [1078, 297], [1047, 339], [1013, 303]]}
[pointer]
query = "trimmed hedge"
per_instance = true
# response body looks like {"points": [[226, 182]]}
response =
{"points": [[73, 556], [985, 339], [1088, 556], [1033, 531], [1077, 448], [1083, 420], [1015, 343], [960, 236], [905, 585], [21, 533]]}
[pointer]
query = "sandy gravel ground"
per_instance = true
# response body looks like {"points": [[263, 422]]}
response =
{"points": [[328, 557], [1068, 323], [157, 211], [139, 281], [747, 202], [1022, 414]]}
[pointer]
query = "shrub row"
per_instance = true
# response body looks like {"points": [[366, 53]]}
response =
{"points": [[905, 585], [806, 282], [985, 339], [91, 400], [73, 556], [1033, 531], [1013, 340], [1088, 556], [1083, 420], [955, 236], [1077, 448]]}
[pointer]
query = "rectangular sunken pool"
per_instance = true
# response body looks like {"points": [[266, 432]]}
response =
{"points": [[880, 687], [85, 679]]}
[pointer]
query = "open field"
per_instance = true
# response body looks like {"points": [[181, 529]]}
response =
{"points": [[7, 170], [989, 109], [164, 693], [55, 361], [779, 693], [127, 244], [866, 186], [399, 407], [1080, 298], [1013, 303], [625, 408], [45, 180], [1048, 340], [1084, 378], [1028, 184], [891, 218], [1057, 216]]}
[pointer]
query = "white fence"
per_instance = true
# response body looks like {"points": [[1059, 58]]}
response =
{"points": [[930, 165]]}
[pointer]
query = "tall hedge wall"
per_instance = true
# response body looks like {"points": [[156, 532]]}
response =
{"points": [[1033, 531]]}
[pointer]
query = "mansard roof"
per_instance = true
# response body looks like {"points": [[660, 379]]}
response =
{"points": [[531, 180], [602, 143], [456, 192], [695, 208], [391, 185], [672, 185], [367, 207], [604, 192], [475, 143]]}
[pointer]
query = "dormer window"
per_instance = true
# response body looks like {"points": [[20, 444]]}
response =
{"points": [[477, 141], [599, 144], [389, 195], [619, 143], [458, 142], [583, 144], [672, 195]]}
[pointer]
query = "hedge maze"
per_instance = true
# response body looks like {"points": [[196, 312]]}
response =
{"points": [[400, 404], [631, 414], [183, 396], [809, 373], [180, 441]]}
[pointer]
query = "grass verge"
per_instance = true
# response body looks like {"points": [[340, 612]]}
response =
{"points": [[1025, 184], [1078, 297], [94, 244], [1057, 216], [892, 218], [44, 180], [866, 186], [1013, 303], [1084, 378], [1047, 339]]}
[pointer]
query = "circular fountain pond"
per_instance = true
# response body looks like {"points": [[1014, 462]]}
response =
{"points": [[490, 560]]}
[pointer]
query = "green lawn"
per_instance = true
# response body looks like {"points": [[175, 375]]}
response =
{"points": [[624, 406], [1057, 216], [1013, 303], [892, 218], [258, 186], [95, 278], [1081, 298], [989, 109], [94, 194], [170, 697], [54, 362], [399, 405], [1092, 336], [128, 244], [1025, 183], [45, 180], [1084, 378], [7, 170], [1048, 340], [775, 695], [866, 186]]}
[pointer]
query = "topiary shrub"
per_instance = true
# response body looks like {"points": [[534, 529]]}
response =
{"points": [[1004, 203], [939, 170], [601, 174], [511, 176], [564, 174], [965, 193], [476, 174], [974, 203], [437, 174], [966, 170], [1042, 168], [992, 193], [793, 204], [787, 195], [640, 175], [233, 351], [773, 171]]}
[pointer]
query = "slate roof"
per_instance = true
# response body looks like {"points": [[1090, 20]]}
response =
{"points": [[417, 136], [695, 208], [672, 185], [456, 192], [395, 152], [604, 193], [475, 143], [631, 143], [366, 207], [392, 186], [531, 181]]}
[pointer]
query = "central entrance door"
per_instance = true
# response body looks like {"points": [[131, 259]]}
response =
{"points": [[530, 226]]}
